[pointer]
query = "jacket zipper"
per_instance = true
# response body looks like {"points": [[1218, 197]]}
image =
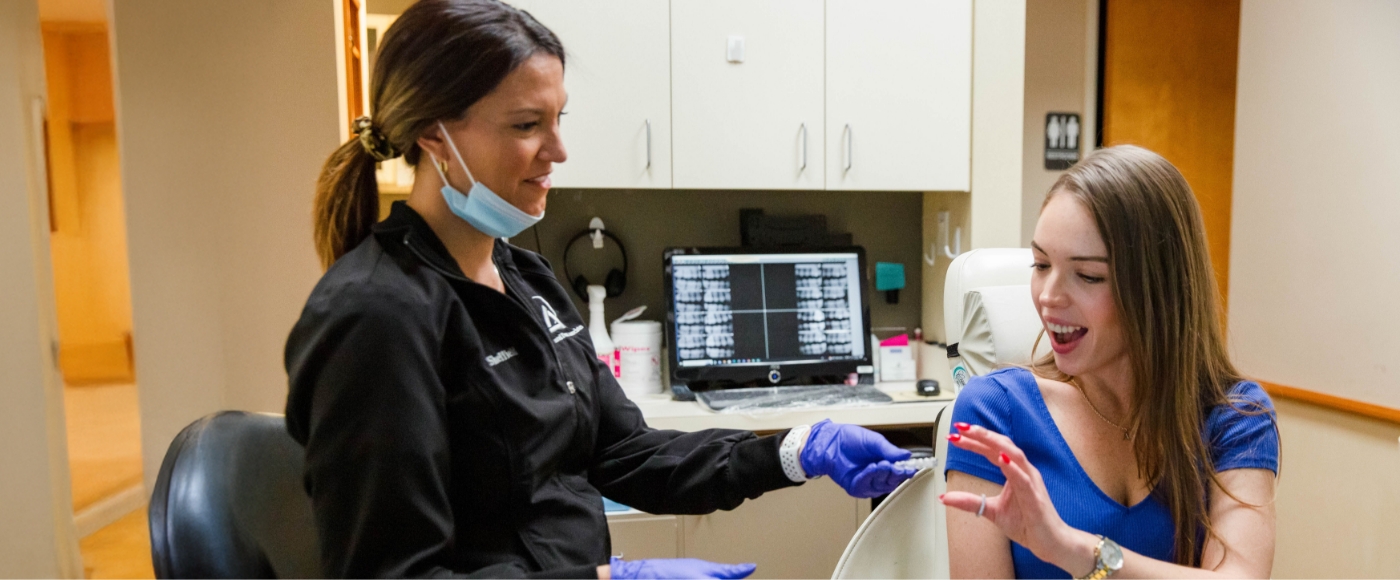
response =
{"points": [[553, 349]]}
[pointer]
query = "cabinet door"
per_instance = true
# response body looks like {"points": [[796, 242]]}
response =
{"points": [[798, 532], [755, 124], [617, 71], [639, 536], [898, 94]]}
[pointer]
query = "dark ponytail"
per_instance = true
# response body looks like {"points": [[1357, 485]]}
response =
{"points": [[347, 202], [437, 59]]}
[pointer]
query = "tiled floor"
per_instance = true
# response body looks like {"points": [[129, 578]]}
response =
{"points": [[121, 550], [104, 440]]}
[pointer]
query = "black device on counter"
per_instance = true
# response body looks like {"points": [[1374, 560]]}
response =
{"points": [[928, 388], [766, 317]]}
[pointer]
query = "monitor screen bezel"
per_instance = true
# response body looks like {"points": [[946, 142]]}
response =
{"points": [[711, 377]]}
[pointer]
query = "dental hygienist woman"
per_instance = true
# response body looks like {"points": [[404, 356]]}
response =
{"points": [[455, 418]]}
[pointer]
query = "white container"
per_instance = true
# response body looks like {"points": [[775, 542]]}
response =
{"points": [[638, 344], [897, 363]]}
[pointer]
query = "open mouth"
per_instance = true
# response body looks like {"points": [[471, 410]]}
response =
{"points": [[541, 181], [1063, 337]]}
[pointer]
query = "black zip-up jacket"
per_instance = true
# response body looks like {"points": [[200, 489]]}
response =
{"points": [[451, 429]]}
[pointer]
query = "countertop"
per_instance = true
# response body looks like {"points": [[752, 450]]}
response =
{"points": [[908, 409]]}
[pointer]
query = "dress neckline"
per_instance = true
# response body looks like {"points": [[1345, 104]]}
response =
{"points": [[1063, 444]]}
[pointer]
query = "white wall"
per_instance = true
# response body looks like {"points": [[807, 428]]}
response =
{"points": [[225, 112], [998, 85], [1061, 59], [1314, 269], [1316, 224], [36, 519]]}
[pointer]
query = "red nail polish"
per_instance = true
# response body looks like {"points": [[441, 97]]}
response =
{"points": [[962, 426], [954, 437], [1005, 459], [940, 496]]}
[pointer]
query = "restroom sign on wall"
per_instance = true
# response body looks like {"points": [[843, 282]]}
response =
{"points": [[1061, 140]]}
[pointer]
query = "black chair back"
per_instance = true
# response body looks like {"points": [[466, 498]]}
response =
{"points": [[229, 502]]}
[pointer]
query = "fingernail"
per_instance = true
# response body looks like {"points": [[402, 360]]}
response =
{"points": [[954, 437], [962, 426], [1005, 459], [940, 496]]}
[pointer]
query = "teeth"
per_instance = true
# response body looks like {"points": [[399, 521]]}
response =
{"points": [[1058, 329]]}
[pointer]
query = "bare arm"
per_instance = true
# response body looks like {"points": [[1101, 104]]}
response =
{"points": [[977, 548]]}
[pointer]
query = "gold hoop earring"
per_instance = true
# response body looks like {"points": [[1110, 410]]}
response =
{"points": [[443, 166]]}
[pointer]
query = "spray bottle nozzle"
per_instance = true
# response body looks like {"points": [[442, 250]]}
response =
{"points": [[596, 294]]}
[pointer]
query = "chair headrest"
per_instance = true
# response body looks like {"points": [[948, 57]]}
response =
{"points": [[999, 328], [978, 268]]}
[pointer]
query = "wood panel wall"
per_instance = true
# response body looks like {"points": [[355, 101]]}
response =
{"points": [[1169, 86]]}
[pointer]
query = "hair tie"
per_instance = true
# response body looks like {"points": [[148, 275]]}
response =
{"points": [[373, 141]]}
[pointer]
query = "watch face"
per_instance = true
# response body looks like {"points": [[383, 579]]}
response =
{"points": [[1111, 555]]}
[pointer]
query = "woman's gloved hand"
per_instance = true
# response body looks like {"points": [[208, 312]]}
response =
{"points": [[677, 568], [856, 458]]}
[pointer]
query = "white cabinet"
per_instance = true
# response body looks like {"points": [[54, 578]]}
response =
{"points": [[778, 94], [617, 71], [898, 94], [756, 123]]}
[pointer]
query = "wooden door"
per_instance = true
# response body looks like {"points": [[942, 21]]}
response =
{"points": [[1169, 86], [756, 123], [898, 94]]}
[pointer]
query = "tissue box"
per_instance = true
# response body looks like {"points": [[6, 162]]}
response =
{"points": [[897, 363]]}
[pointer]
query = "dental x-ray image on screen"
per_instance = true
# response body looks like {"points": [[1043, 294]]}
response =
{"points": [[761, 309]]}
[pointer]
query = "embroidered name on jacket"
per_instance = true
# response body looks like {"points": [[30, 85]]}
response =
{"points": [[501, 357]]}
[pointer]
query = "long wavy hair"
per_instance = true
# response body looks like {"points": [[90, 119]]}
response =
{"points": [[1169, 305], [436, 60]]}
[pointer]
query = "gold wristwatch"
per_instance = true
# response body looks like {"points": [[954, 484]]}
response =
{"points": [[1108, 558]]}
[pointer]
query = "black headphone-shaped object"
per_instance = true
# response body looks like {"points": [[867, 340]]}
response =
{"points": [[616, 281]]}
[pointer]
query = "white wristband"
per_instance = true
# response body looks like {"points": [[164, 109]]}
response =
{"points": [[790, 453]]}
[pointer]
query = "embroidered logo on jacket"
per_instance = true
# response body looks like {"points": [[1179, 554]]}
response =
{"points": [[551, 317], [501, 357]]}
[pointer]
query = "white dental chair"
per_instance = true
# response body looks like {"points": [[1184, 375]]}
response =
{"points": [[989, 316]]}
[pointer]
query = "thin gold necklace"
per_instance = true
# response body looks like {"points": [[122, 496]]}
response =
{"points": [[1126, 435]]}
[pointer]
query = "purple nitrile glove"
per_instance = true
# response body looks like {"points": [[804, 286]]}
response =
{"points": [[856, 458], [676, 568]]}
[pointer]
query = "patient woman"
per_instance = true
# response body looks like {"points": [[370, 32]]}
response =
{"points": [[1135, 450]]}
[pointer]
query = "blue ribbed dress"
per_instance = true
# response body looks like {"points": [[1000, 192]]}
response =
{"points": [[1008, 401]]}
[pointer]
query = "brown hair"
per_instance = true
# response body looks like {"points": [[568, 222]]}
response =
{"points": [[437, 59], [1169, 306]]}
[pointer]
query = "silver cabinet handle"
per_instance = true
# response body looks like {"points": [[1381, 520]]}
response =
{"points": [[803, 166], [648, 121], [848, 148]]}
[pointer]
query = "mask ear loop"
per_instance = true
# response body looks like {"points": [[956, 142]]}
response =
{"points": [[453, 145], [437, 165]]}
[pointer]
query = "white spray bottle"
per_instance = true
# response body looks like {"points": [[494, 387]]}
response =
{"points": [[598, 329]]}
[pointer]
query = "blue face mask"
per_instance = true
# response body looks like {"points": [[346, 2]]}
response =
{"points": [[489, 213]]}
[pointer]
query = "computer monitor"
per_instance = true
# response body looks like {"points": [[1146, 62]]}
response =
{"points": [[763, 317]]}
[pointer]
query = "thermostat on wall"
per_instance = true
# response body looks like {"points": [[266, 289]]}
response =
{"points": [[736, 48]]}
